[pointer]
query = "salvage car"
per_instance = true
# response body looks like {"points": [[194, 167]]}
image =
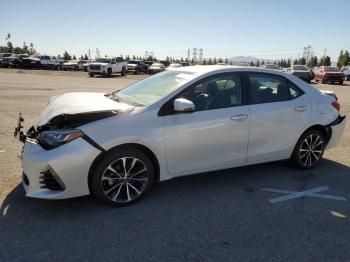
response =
{"points": [[196, 119], [137, 66], [4, 62], [301, 71], [31, 62], [108, 66], [271, 66], [16, 60], [156, 68], [75, 65], [329, 74], [173, 65]]}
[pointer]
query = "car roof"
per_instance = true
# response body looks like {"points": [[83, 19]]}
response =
{"points": [[201, 70]]}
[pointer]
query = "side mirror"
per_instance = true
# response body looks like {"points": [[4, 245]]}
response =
{"points": [[183, 105]]}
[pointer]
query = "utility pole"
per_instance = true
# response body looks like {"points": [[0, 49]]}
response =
{"points": [[97, 55]]}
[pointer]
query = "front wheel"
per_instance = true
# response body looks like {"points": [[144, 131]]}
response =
{"points": [[341, 82], [123, 73], [122, 177], [91, 75], [109, 72], [309, 150]]}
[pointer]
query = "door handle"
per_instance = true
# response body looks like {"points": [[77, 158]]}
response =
{"points": [[301, 108], [239, 117]]}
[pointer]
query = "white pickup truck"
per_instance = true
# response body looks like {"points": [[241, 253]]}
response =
{"points": [[108, 66]]}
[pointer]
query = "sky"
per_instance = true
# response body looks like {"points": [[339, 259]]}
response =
{"points": [[270, 29]]}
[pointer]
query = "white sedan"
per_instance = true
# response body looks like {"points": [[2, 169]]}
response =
{"points": [[179, 122]]}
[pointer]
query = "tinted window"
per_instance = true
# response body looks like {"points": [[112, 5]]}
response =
{"points": [[266, 89], [220, 92]]}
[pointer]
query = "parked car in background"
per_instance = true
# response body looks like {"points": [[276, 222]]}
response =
{"points": [[329, 74], [16, 60], [75, 65], [60, 63], [4, 59], [156, 68], [346, 73], [149, 63], [108, 66], [165, 63], [180, 122], [185, 63], [86, 65], [31, 62], [48, 62], [271, 66], [301, 71], [137, 66], [173, 65]]}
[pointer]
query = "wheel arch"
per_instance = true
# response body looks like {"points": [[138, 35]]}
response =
{"points": [[140, 147], [325, 130]]}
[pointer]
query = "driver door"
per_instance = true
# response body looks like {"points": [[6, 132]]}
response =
{"points": [[215, 135]]}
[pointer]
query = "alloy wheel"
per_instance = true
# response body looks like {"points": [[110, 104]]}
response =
{"points": [[124, 180], [311, 150]]}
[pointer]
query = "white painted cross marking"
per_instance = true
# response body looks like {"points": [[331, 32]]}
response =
{"points": [[295, 194]]}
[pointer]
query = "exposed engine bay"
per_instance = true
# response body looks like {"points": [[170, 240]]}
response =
{"points": [[63, 121]]}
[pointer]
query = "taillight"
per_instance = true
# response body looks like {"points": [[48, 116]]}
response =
{"points": [[336, 105]]}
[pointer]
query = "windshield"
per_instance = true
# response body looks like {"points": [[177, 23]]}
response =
{"points": [[300, 67], [156, 65], [331, 69], [103, 60], [133, 62], [154, 88]]}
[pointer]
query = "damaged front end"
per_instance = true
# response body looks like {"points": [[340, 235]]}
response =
{"points": [[60, 129]]}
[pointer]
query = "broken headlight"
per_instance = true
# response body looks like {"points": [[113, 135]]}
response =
{"points": [[55, 138]]}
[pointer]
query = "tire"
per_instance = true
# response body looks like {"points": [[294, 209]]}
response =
{"points": [[76, 68], [123, 73], [91, 75], [323, 81], [109, 72], [309, 150], [341, 82], [118, 186], [136, 72]]}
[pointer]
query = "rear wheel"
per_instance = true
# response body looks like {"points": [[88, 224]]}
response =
{"points": [[122, 177], [309, 150]]}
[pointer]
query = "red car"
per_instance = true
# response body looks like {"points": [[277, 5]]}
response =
{"points": [[329, 74]]}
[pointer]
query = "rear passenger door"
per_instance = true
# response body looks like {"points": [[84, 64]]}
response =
{"points": [[280, 111]]}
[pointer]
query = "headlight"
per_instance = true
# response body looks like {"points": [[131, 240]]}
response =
{"points": [[56, 138]]}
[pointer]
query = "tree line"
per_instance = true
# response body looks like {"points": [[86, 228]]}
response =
{"points": [[343, 59]]}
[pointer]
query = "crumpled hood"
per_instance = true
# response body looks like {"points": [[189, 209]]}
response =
{"points": [[82, 102]]}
